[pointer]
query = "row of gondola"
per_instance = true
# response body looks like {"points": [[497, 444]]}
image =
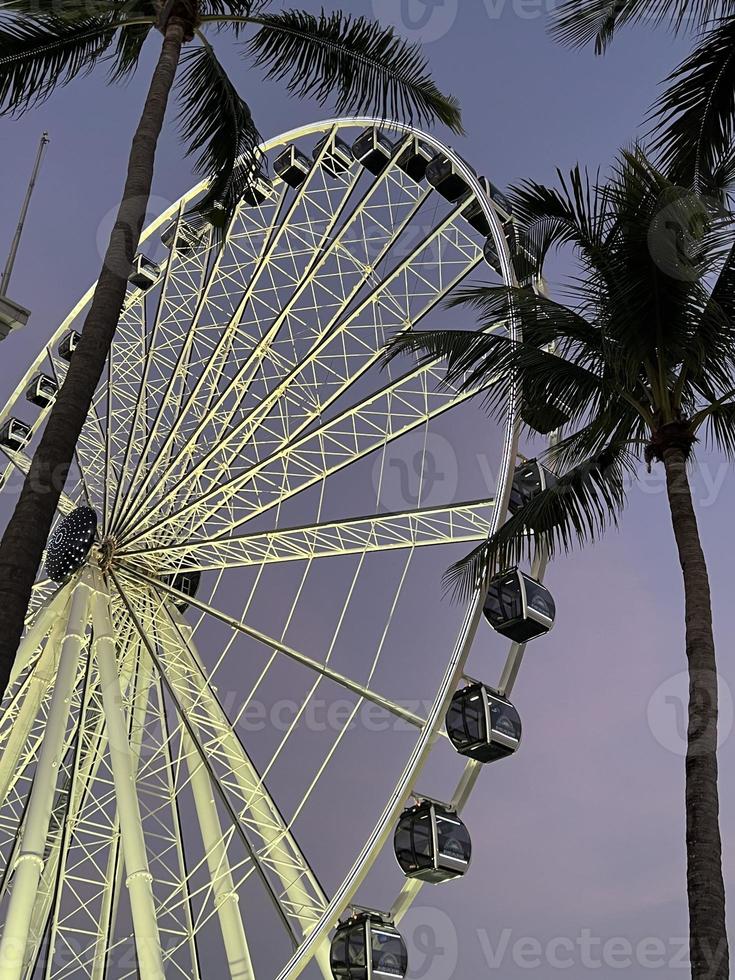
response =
{"points": [[431, 843]]}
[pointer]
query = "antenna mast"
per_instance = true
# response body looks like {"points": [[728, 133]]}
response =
{"points": [[8, 271], [12, 315]]}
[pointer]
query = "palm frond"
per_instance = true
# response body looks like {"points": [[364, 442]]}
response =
{"points": [[216, 123], [718, 422], [543, 320], [128, 48], [230, 11], [578, 23], [474, 357], [357, 62], [39, 54], [576, 510], [695, 116]]}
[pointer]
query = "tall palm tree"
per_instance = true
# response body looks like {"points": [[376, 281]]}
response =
{"points": [[694, 119], [642, 362], [44, 44]]}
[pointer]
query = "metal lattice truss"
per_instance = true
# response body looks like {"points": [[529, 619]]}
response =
{"points": [[243, 421]]}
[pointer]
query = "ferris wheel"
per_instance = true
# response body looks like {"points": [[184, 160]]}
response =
{"points": [[249, 531]]}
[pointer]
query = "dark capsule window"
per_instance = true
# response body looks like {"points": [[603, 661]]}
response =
{"points": [[389, 954], [504, 600]]}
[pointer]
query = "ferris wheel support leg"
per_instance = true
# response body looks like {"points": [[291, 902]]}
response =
{"points": [[139, 879], [233, 934], [29, 863]]}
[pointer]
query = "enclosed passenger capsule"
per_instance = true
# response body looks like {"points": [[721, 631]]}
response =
{"points": [[519, 607], [529, 480], [482, 725], [373, 150], [257, 191], [337, 159], [15, 435], [443, 175], [542, 414], [474, 213], [292, 166], [368, 947], [186, 234], [69, 343], [414, 159], [187, 582], [432, 844], [145, 273], [42, 391]]}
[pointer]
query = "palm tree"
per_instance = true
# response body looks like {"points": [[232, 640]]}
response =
{"points": [[694, 119], [351, 61], [642, 362]]}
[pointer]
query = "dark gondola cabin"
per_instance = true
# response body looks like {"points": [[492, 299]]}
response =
{"points": [[292, 166], [529, 480], [15, 435], [373, 150], [474, 213], [368, 947], [444, 176], [519, 607], [482, 725], [69, 343], [257, 191], [186, 582], [432, 844], [414, 159], [501, 201], [42, 391], [490, 254], [543, 414], [186, 234], [337, 158], [144, 273]]}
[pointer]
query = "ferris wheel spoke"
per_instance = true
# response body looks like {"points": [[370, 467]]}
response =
{"points": [[336, 360], [274, 644], [155, 369], [205, 319], [286, 244], [420, 527], [383, 417], [361, 244]]}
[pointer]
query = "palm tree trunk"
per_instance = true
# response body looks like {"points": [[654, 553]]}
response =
{"points": [[707, 930], [25, 537]]}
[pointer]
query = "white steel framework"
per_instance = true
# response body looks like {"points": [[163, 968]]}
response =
{"points": [[244, 431]]}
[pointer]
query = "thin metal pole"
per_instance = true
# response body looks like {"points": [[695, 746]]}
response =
{"points": [[8, 271], [29, 863], [138, 877]]}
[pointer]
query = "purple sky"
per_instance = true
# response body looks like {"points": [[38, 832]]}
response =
{"points": [[582, 833]]}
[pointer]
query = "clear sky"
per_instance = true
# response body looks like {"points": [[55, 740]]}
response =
{"points": [[581, 837]]}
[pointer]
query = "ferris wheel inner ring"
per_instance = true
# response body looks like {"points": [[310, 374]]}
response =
{"points": [[160, 508]]}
